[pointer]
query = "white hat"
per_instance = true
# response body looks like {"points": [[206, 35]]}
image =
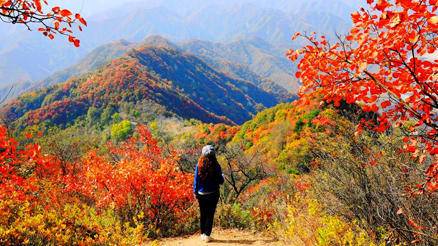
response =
{"points": [[207, 150]]}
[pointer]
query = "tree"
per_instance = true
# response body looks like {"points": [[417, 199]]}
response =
{"points": [[51, 21], [241, 171], [384, 65], [121, 131], [365, 178], [68, 145]]}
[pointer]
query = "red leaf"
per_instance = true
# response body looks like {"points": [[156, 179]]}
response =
{"points": [[414, 225], [385, 104], [77, 43], [38, 5], [82, 20], [65, 13], [56, 9]]}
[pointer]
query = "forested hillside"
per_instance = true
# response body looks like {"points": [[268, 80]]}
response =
{"points": [[148, 80], [229, 62], [254, 55]]}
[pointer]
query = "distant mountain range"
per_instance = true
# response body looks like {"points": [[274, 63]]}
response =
{"points": [[28, 57], [254, 56], [154, 77], [249, 60]]}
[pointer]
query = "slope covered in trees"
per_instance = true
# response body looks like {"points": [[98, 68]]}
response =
{"points": [[254, 56], [364, 178], [92, 61], [281, 169], [230, 62], [147, 78]]}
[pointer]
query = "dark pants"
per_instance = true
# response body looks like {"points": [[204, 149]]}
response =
{"points": [[207, 206]]}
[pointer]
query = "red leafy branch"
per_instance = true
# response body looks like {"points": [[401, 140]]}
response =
{"points": [[51, 21], [387, 65]]}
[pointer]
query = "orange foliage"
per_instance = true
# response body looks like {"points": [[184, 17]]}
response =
{"points": [[137, 180], [139, 176], [15, 160], [216, 133], [384, 65]]}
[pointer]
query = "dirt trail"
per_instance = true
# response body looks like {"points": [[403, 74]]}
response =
{"points": [[221, 237]]}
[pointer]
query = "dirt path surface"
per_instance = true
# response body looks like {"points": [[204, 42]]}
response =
{"points": [[221, 237]]}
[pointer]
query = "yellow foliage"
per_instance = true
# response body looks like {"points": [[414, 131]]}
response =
{"points": [[294, 151], [69, 225], [307, 224]]}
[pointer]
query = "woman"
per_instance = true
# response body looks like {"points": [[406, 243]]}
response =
{"points": [[208, 178]]}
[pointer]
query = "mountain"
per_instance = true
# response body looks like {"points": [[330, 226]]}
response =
{"points": [[29, 57], [233, 66], [286, 133], [148, 80], [218, 93], [253, 54]]}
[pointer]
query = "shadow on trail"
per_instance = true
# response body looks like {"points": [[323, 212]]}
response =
{"points": [[240, 241]]}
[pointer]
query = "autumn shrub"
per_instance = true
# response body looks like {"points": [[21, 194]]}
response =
{"points": [[121, 131], [136, 177], [121, 194], [295, 158], [67, 145], [233, 216], [35, 211], [70, 224], [368, 178], [285, 207], [258, 206], [306, 223], [241, 170]]}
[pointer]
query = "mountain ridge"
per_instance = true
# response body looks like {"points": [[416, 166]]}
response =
{"points": [[235, 69], [144, 79]]}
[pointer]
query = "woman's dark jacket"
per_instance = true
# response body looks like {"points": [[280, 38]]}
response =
{"points": [[210, 184]]}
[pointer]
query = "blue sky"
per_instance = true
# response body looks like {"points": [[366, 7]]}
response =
{"points": [[90, 7]]}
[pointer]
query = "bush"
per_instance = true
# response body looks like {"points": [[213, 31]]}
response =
{"points": [[233, 216], [307, 224], [120, 197], [137, 177], [299, 126], [68, 225], [369, 179], [121, 131]]}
